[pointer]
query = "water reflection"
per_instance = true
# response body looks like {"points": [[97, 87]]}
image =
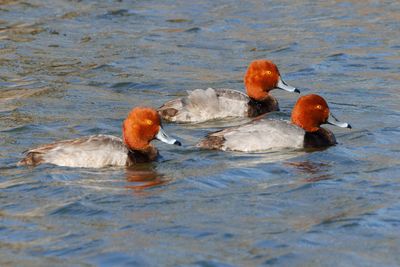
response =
{"points": [[140, 178], [20, 32], [317, 171]]}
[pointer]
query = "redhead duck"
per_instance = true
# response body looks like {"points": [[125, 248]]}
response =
{"points": [[140, 127], [200, 105], [304, 130]]}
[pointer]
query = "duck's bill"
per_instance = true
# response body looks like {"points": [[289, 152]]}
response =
{"points": [[163, 137], [334, 121], [284, 86]]}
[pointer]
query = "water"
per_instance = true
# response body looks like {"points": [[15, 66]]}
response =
{"points": [[75, 68]]}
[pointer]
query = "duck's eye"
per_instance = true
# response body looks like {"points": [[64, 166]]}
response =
{"points": [[318, 107], [268, 72], [148, 122]]}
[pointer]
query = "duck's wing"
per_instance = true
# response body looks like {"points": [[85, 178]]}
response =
{"points": [[203, 105], [90, 151], [233, 95], [258, 135]]}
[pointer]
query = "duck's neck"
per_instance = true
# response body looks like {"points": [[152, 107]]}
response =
{"points": [[256, 92], [258, 107]]}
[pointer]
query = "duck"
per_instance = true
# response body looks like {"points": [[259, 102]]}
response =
{"points": [[141, 126], [200, 105], [303, 131]]}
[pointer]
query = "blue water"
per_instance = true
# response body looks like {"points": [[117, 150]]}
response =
{"points": [[75, 68]]}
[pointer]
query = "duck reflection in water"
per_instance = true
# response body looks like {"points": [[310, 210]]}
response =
{"points": [[316, 171], [143, 178]]}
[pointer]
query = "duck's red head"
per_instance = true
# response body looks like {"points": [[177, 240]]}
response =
{"points": [[310, 111], [261, 77], [142, 126]]}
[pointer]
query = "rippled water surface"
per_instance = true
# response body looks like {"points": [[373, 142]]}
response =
{"points": [[75, 68]]}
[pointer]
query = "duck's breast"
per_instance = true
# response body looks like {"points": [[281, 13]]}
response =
{"points": [[321, 138], [263, 135], [94, 151], [202, 105]]}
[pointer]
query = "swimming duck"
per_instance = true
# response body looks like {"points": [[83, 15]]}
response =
{"points": [[140, 127], [200, 105], [304, 131]]}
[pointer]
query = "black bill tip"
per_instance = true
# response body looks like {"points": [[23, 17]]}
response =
{"points": [[296, 91], [349, 126], [177, 143]]}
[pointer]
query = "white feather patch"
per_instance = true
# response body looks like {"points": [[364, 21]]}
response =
{"points": [[95, 152], [202, 105], [263, 135]]}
